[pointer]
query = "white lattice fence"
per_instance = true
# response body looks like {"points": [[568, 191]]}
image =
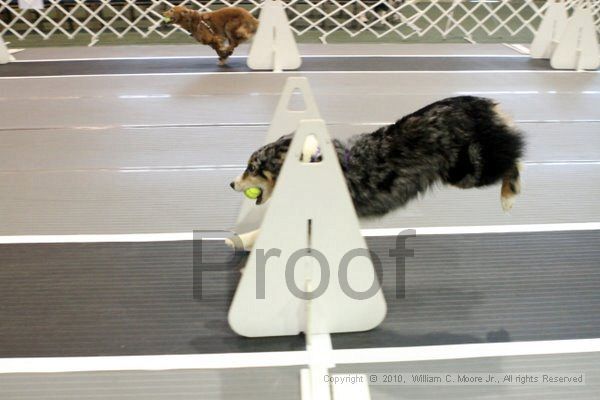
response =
{"points": [[380, 18]]}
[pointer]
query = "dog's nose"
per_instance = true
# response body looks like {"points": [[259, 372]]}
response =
{"points": [[232, 184]]}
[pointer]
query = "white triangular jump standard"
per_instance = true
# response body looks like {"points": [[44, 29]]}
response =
{"points": [[578, 46], [5, 54], [274, 46], [279, 313], [550, 31], [284, 122], [309, 270]]}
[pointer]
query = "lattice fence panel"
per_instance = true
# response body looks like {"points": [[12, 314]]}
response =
{"points": [[378, 18]]}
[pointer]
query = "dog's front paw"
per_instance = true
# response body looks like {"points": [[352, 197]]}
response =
{"points": [[235, 244], [230, 243], [222, 62], [243, 241]]}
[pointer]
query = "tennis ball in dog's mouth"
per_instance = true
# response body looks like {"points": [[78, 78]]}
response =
{"points": [[166, 20], [253, 193]]}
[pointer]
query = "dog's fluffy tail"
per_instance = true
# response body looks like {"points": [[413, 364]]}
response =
{"points": [[511, 187]]}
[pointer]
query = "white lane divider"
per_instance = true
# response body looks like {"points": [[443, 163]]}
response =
{"points": [[183, 236], [296, 358]]}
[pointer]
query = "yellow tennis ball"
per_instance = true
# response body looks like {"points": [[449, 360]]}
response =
{"points": [[252, 193], [166, 20]]}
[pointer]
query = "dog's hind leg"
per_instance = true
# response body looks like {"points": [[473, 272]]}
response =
{"points": [[511, 187]]}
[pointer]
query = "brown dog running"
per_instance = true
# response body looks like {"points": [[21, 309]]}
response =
{"points": [[233, 25]]}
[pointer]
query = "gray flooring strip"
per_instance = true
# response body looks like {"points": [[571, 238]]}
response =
{"points": [[183, 147], [139, 298], [281, 383], [587, 364], [72, 202], [193, 49], [187, 65]]}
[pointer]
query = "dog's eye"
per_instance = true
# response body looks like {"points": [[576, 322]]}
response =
{"points": [[251, 168]]}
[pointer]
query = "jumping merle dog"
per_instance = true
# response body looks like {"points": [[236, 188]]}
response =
{"points": [[462, 141]]}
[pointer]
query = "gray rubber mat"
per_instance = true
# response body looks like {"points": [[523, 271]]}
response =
{"points": [[117, 298], [235, 110], [189, 65], [182, 200], [587, 364], [306, 49], [146, 298], [226, 146], [488, 288], [281, 383]]}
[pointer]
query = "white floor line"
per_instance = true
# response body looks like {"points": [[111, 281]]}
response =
{"points": [[266, 123], [462, 351], [181, 236], [153, 363], [134, 170], [460, 230], [562, 162], [300, 73], [229, 167], [295, 358], [304, 56], [100, 238]]}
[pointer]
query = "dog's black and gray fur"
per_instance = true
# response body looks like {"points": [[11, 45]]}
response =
{"points": [[462, 141]]}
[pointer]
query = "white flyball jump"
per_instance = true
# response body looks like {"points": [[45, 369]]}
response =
{"points": [[310, 215], [569, 43], [578, 48], [550, 31], [274, 47], [309, 270], [284, 122], [5, 54], [317, 276]]}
